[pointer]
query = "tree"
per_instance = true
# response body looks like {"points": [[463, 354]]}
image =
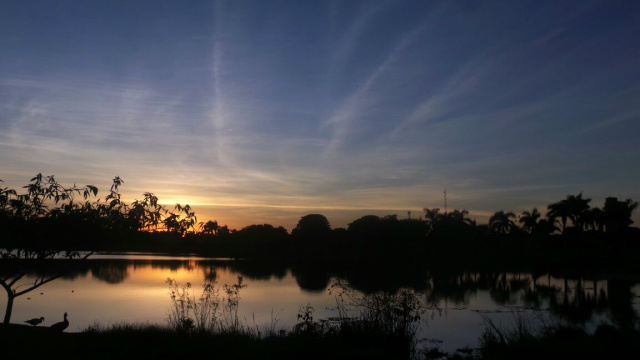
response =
{"points": [[262, 240], [50, 221], [145, 214], [366, 227], [35, 235], [568, 209], [458, 218], [617, 214], [20, 262], [529, 220], [546, 227], [211, 227], [598, 218], [592, 219], [501, 222], [182, 222], [431, 217], [312, 227]]}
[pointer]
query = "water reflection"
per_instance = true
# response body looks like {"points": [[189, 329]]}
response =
{"points": [[275, 286]]}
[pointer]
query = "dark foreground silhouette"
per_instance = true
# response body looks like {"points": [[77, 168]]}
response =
{"points": [[35, 321], [60, 326], [159, 343], [25, 342]]}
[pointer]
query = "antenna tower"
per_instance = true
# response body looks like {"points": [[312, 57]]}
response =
{"points": [[445, 200]]}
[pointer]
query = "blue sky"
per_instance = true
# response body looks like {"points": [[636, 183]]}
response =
{"points": [[265, 111]]}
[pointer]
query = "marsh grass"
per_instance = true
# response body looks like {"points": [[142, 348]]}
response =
{"points": [[210, 312], [524, 327], [371, 326], [392, 316]]}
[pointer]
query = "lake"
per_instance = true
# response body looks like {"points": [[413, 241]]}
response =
{"points": [[132, 288]]}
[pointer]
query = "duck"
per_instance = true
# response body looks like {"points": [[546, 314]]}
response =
{"points": [[60, 326], [35, 321]]}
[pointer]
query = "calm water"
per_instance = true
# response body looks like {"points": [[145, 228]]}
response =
{"points": [[132, 288]]}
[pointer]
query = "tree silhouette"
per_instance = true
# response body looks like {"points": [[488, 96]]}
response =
{"points": [[529, 220], [431, 217], [617, 214], [312, 227], [501, 222], [598, 218], [546, 227], [568, 209], [50, 221], [211, 227], [34, 233], [457, 218], [592, 219]]}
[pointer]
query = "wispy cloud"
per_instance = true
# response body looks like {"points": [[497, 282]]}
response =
{"points": [[357, 104]]}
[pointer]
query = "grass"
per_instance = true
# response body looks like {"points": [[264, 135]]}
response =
{"points": [[359, 339], [529, 337], [144, 341], [379, 325], [208, 326]]}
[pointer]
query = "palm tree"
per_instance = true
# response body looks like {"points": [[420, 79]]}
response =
{"points": [[546, 227], [576, 206], [458, 218], [591, 219], [558, 210], [431, 216], [501, 222], [568, 209], [529, 220]]}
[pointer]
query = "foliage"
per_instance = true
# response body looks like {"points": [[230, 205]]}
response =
{"points": [[48, 207], [396, 315], [568, 209], [208, 313], [501, 222], [312, 227]]}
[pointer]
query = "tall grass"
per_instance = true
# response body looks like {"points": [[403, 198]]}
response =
{"points": [[386, 315], [379, 325], [211, 312]]}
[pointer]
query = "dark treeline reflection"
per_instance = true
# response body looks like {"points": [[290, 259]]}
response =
{"points": [[574, 299], [568, 296]]}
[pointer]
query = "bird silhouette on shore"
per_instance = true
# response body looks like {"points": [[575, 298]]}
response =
{"points": [[60, 326], [35, 321]]}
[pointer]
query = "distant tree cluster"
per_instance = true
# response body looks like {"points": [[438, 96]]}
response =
{"points": [[573, 213]]}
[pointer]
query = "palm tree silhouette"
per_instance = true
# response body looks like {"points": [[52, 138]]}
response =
{"points": [[501, 222], [459, 218], [568, 209], [529, 220], [431, 216]]}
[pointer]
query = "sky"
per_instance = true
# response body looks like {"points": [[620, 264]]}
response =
{"points": [[261, 112]]}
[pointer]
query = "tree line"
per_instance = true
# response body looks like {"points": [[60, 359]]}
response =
{"points": [[48, 215]]}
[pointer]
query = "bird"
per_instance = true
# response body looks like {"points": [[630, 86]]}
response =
{"points": [[60, 326], [35, 321]]}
